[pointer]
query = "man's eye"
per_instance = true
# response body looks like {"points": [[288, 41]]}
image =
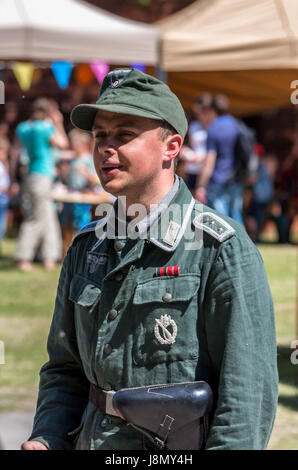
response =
{"points": [[100, 136], [126, 134]]}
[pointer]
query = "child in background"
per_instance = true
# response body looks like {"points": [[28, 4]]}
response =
{"points": [[4, 185], [82, 178]]}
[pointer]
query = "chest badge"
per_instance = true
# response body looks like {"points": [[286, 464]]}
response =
{"points": [[95, 259], [161, 332]]}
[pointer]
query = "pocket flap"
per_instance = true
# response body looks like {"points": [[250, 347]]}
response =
{"points": [[83, 291], [180, 288]]}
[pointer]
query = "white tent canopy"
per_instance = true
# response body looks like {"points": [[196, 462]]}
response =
{"points": [[231, 35], [72, 30]]}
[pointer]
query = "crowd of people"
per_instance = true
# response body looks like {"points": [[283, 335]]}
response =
{"points": [[37, 153], [267, 191], [43, 156]]}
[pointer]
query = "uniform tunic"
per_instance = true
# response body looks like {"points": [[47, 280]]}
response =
{"points": [[111, 301]]}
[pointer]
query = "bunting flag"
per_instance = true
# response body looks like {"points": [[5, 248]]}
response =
{"points": [[62, 72], [83, 74], [37, 75], [138, 66], [100, 69], [23, 72]]}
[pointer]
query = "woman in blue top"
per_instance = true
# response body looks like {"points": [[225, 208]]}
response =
{"points": [[38, 135]]}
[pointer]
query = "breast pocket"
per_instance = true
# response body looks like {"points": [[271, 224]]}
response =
{"points": [[85, 295], [165, 319]]}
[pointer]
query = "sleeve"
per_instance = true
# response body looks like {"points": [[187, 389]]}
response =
{"points": [[211, 144], [64, 388], [240, 331], [48, 130]]}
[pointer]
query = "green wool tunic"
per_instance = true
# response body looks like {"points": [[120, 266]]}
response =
{"points": [[111, 298]]}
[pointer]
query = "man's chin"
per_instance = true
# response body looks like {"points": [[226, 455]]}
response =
{"points": [[113, 188]]}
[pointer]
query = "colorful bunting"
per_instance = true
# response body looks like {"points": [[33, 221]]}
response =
{"points": [[138, 66], [83, 74], [23, 72], [37, 75], [62, 72], [100, 69]]}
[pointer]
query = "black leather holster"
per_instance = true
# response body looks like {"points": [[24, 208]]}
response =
{"points": [[173, 416]]}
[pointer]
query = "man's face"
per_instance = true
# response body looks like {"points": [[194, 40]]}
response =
{"points": [[128, 153]]}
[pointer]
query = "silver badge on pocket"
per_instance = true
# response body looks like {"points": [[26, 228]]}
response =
{"points": [[95, 259], [161, 332]]}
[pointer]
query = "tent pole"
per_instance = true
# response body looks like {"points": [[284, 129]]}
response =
{"points": [[161, 73]]}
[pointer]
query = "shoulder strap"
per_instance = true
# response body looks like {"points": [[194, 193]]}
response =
{"points": [[214, 225], [86, 229]]}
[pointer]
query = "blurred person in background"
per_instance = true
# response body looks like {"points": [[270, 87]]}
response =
{"points": [[4, 185], [262, 191], [38, 135], [194, 154], [81, 178], [216, 184], [283, 209]]}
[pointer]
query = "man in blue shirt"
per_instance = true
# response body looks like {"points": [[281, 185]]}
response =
{"points": [[216, 184], [37, 136]]}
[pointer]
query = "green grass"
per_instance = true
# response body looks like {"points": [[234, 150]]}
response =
{"points": [[26, 306]]}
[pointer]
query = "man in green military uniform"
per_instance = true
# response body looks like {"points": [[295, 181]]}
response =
{"points": [[162, 290]]}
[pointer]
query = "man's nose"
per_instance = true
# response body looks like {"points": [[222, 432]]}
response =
{"points": [[108, 150], [106, 147]]}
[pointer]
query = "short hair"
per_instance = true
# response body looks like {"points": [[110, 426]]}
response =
{"points": [[221, 104], [204, 100], [166, 130]]}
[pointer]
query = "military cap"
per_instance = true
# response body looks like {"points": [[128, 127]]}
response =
{"points": [[130, 91]]}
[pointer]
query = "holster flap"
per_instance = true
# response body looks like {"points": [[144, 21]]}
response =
{"points": [[170, 411]]}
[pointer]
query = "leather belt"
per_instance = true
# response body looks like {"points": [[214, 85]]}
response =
{"points": [[103, 400]]}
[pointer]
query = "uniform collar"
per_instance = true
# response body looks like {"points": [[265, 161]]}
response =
{"points": [[170, 228], [166, 224]]}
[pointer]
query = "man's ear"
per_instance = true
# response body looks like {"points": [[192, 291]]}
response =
{"points": [[173, 146]]}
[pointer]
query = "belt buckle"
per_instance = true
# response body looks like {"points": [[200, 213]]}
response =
{"points": [[110, 410]]}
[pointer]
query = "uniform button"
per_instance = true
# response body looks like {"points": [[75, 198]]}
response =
{"points": [[118, 245], [104, 422], [107, 387], [107, 349], [113, 314], [167, 297], [119, 276]]}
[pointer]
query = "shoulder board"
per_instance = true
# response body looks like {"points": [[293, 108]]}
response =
{"points": [[91, 227], [214, 225]]}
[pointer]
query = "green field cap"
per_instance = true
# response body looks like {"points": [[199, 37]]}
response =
{"points": [[130, 91]]}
